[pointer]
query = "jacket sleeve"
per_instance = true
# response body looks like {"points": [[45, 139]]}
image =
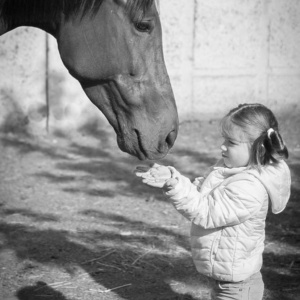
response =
{"points": [[225, 205]]}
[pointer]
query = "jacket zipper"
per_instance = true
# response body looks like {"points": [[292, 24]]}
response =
{"points": [[215, 246]]}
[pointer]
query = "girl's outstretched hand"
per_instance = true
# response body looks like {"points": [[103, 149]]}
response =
{"points": [[155, 176]]}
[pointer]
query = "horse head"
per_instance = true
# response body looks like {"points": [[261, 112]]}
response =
{"points": [[114, 49]]}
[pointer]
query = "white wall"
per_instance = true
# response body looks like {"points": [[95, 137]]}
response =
{"points": [[22, 84], [23, 88], [221, 53]]}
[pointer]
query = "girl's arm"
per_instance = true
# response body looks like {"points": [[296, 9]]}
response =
{"points": [[223, 206]]}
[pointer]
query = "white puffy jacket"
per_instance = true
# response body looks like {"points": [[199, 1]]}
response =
{"points": [[228, 215]]}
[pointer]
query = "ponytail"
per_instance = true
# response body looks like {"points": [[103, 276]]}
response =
{"points": [[276, 145], [268, 147]]}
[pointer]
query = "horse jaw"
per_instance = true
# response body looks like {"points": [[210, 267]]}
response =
{"points": [[145, 131]]}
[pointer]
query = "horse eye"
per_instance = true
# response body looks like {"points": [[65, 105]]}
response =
{"points": [[142, 26]]}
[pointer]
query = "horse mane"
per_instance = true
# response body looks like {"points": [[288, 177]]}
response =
{"points": [[20, 12]]}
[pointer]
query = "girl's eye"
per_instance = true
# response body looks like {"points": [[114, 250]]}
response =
{"points": [[142, 26], [232, 143]]}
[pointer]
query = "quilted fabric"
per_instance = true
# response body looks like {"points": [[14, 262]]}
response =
{"points": [[228, 212]]}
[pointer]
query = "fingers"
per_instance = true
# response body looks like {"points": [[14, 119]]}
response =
{"points": [[170, 184], [156, 171], [155, 176], [150, 175], [141, 171], [157, 184], [143, 174], [161, 172], [147, 168]]}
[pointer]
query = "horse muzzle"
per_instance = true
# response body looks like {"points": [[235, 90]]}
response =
{"points": [[147, 146]]}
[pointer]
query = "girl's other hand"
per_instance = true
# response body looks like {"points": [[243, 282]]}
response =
{"points": [[170, 184]]}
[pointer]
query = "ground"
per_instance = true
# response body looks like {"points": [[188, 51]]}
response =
{"points": [[76, 224]]}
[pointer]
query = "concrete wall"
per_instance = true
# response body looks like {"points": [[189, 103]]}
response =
{"points": [[32, 74], [221, 53], [218, 53], [22, 77]]}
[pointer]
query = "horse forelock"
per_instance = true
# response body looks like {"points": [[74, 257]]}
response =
{"points": [[138, 8], [15, 12]]}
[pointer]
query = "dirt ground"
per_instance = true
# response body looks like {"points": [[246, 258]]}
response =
{"points": [[76, 224]]}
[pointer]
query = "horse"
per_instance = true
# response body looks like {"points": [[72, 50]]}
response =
{"points": [[114, 49]]}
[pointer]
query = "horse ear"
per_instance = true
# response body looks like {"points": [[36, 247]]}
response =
{"points": [[157, 6]]}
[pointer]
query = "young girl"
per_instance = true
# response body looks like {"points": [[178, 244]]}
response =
{"points": [[228, 208]]}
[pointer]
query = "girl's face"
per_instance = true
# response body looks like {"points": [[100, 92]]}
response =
{"points": [[235, 150]]}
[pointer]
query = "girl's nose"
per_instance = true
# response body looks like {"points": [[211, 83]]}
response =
{"points": [[223, 147]]}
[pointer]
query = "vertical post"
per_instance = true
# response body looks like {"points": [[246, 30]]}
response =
{"points": [[47, 83]]}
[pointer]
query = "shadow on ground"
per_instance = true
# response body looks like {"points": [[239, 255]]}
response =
{"points": [[125, 236], [110, 259]]}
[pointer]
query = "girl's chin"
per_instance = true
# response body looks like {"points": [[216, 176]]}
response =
{"points": [[228, 166], [227, 163]]}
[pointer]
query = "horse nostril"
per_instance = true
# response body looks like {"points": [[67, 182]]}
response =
{"points": [[171, 137]]}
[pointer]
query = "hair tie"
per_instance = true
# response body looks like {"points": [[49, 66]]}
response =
{"points": [[269, 131]]}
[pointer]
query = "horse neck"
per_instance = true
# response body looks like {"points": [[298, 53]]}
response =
{"points": [[13, 17]]}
